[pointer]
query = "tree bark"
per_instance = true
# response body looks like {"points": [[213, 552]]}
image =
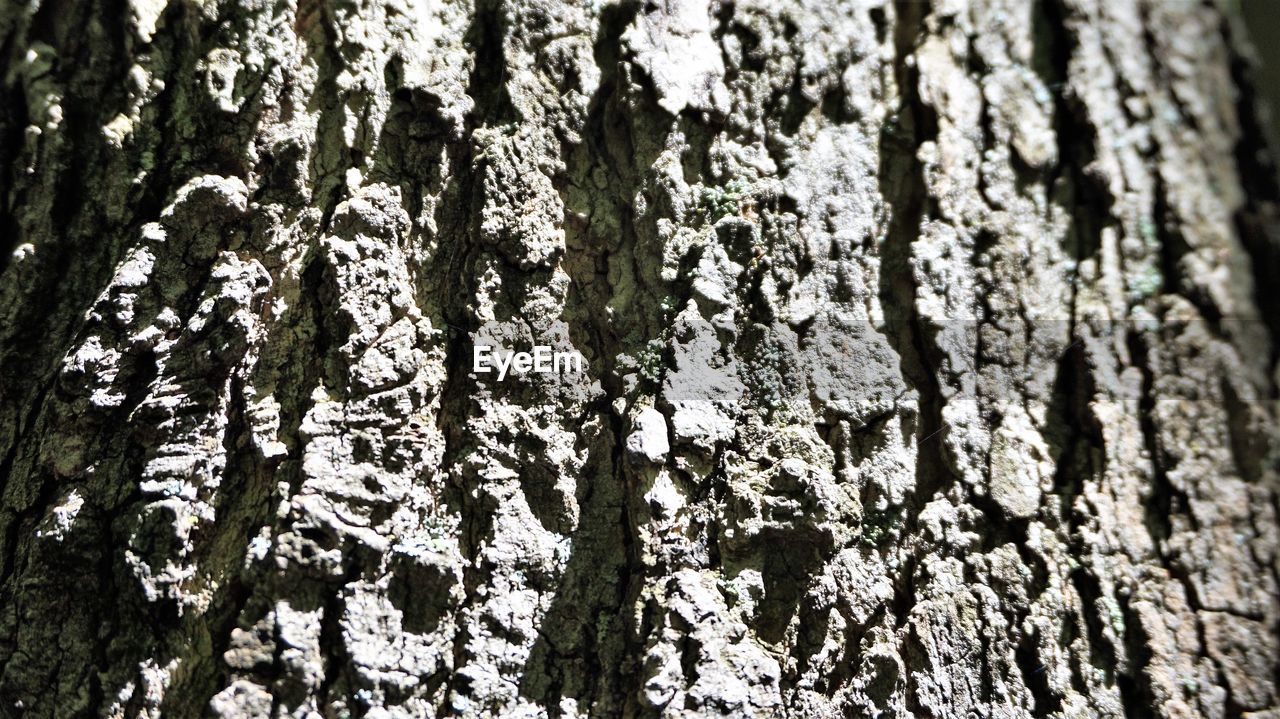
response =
{"points": [[930, 360]]}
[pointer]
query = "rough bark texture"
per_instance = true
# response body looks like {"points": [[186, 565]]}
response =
{"points": [[931, 356]]}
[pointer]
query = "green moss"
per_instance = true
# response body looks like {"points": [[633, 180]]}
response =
{"points": [[719, 201], [649, 361], [1114, 614], [1147, 283], [878, 526], [669, 306], [1147, 229]]}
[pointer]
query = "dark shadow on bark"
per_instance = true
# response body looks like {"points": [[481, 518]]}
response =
{"points": [[578, 653]]}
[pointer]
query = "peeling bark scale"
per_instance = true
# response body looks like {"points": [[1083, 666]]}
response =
{"points": [[929, 360]]}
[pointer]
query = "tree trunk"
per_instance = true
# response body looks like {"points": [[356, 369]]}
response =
{"points": [[930, 360]]}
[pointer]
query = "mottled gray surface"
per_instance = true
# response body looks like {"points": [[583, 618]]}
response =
{"points": [[932, 360]]}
